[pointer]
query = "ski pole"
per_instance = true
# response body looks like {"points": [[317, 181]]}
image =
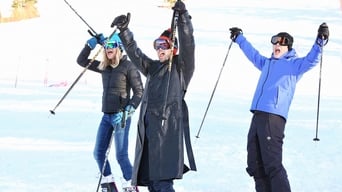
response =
{"points": [[92, 30], [319, 92], [105, 160], [123, 121], [80, 75], [212, 94], [174, 23], [74, 83]]}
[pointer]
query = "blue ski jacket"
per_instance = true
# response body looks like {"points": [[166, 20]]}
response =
{"points": [[279, 76]]}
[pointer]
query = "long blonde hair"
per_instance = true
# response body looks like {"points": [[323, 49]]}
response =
{"points": [[110, 62]]}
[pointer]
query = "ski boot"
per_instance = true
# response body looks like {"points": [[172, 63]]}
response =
{"points": [[130, 189], [109, 187], [127, 187]]}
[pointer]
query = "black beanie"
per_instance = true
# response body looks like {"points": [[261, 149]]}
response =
{"points": [[289, 37]]}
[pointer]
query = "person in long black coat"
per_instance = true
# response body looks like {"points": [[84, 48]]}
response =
{"points": [[163, 125]]}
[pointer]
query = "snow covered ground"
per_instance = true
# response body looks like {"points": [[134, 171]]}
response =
{"points": [[44, 152]]}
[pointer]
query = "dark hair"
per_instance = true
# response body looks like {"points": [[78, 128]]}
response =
{"points": [[285, 34], [167, 34]]}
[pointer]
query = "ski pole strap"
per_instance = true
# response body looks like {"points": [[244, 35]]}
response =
{"points": [[187, 140]]}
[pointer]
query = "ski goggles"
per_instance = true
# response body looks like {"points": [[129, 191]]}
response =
{"points": [[111, 45], [283, 41], [161, 44]]}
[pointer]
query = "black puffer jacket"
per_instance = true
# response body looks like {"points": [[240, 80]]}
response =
{"points": [[117, 83]]}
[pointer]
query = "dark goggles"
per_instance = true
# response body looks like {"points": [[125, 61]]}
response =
{"points": [[111, 45], [161, 44], [283, 41]]}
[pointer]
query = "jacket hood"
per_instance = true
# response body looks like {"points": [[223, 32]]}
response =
{"points": [[289, 54]]}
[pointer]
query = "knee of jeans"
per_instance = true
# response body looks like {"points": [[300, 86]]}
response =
{"points": [[121, 157], [96, 155]]}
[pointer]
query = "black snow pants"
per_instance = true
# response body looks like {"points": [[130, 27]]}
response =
{"points": [[264, 148]]}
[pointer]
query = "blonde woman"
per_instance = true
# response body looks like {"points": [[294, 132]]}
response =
{"points": [[119, 78]]}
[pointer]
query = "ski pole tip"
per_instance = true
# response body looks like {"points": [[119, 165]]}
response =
{"points": [[52, 112], [315, 139]]}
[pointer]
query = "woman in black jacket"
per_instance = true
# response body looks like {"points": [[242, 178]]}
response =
{"points": [[119, 77], [163, 126]]}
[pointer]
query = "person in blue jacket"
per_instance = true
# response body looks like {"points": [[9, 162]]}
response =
{"points": [[271, 102]]}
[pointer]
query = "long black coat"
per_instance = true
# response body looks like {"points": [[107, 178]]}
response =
{"points": [[162, 132]]}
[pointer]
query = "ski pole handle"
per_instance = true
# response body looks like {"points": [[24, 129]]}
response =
{"points": [[91, 33]]}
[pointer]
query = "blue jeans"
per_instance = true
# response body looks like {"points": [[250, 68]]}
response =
{"points": [[103, 139]]}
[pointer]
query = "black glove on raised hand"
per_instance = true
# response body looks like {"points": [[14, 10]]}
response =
{"points": [[121, 22], [180, 7], [234, 33], [323, 34]]}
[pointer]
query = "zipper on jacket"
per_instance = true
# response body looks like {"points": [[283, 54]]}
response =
{"points": [[263, 85]]}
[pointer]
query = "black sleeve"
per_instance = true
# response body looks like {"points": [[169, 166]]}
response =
{"points": [[83, 60], [138, 58], [186, 47], [136, 84]]}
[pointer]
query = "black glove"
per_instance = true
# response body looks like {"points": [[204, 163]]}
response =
{"points": [[234, 33], [323, 34], [180, 7], [323, 30], [121, 22]]}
